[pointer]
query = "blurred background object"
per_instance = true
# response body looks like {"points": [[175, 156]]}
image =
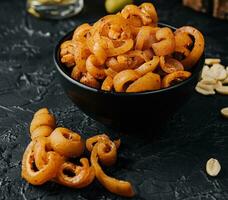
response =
{"points": [[217, 8], [54, 9], [113, 6]]}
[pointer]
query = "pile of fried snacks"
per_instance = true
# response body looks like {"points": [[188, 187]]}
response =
{"points": [[48, 157], [128, 52]]}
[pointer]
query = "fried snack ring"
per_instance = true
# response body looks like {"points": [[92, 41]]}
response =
{"points": [[99, 50], [107, 150], [175, 76], [93, 68], [80, 32], [41, 131], [130, 60], [117, 64], [110, 72], [145, 37], [135, 11], [198, 47], [42, 123], [118, 26], [89, 80], [41, 147], [149, 81], [113, 185], [75, 176], [93, 140], [123, 78], [166, 44], [148, 66], [82, 52], [149, 9], [126, 46], [67, 50], [76, 74], [183, 42], [46, 173], [170, 65], [66, 142], [107, 85]]}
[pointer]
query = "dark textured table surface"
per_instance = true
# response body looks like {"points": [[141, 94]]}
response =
{"points": [[169, 166]]}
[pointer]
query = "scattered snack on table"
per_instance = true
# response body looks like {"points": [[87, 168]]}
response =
{"points": [[128, 52], [105, 150], [48, 157], [214, 77], [43, 123], [213, 167]]}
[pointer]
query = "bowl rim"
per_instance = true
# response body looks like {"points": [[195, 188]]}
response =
{"points": [[60, 68]]}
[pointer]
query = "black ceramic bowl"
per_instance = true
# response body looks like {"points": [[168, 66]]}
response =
{"points": [[126, 110]]}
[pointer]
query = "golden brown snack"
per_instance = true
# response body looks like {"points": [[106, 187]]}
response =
{"points": [[148, 66], [107, 85], [123, 79], [149, 81], [176, 76], [81, 32], [67, 50], [94, 68], [39, 176], [89, 80], [166, 44], [169, 65], [66, 142], [129, 40], [75, 176], [115, 186], [198, 47], [42, 123]]}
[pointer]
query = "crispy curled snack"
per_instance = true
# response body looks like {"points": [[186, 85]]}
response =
{"points": [[110, 72], [42, 123], [76, 74], [67, 50], [100, 54], [75, 176], [66, 142], [108, 149], [93, 140], [117, 64], [29, 170], [166, 44], [115, 186], [107, 85], [149, 81], [177, 76], [123, 78], [170, 65], [198, 47], [149, 9], [94, 69], [89, 80], [145, 37], [144, 13], [183, 41], [148, 66], [80, 32], [126, 46], [81, 54], [99, 50], [41, 147]]}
